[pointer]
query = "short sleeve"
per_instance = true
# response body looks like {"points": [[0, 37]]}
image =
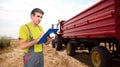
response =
{"points": [[23, 33]]}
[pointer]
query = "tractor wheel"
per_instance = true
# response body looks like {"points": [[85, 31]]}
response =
{"points": [[53, 43], [58, 45], [100, 57], [70, 49], [57, 42]]}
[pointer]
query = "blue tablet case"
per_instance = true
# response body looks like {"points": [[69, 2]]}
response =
{"points": [[44, 37]]}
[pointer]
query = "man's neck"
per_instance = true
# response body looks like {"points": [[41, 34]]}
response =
{"points": [[33, 24]]}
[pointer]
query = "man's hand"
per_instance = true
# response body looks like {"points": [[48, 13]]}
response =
{"points": [[25, 44], [49, 40]]}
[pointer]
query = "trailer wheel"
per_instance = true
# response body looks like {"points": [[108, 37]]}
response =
{"points": [[100, 57], [70, 49]]}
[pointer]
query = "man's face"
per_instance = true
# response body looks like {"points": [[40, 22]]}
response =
{"points": [[36, 18]]}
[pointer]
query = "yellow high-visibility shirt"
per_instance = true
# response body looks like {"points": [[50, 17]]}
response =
{"points": [[24, 34]]}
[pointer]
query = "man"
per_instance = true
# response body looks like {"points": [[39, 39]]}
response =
{"points": [[29, 35]]}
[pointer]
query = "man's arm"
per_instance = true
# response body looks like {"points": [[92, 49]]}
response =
{"points": [[24, 44]]}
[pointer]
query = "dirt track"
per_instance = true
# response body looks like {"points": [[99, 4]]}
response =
{"points": [[12, 57]]}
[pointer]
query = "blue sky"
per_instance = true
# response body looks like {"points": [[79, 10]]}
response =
{"points": [[14, 13]]}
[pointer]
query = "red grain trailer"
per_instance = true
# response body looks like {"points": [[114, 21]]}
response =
{"points": [[96, 29]]}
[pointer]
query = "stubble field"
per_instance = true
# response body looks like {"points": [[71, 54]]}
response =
{"points": [[12, 56]]}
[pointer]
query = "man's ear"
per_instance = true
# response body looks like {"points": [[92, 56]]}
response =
{"points": [[31, 16]]}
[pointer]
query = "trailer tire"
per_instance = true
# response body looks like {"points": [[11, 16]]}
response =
{"points": [[70, 49], [100, 57]]}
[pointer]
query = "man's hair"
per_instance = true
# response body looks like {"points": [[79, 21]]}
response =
{"points": [[38, 10]]}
